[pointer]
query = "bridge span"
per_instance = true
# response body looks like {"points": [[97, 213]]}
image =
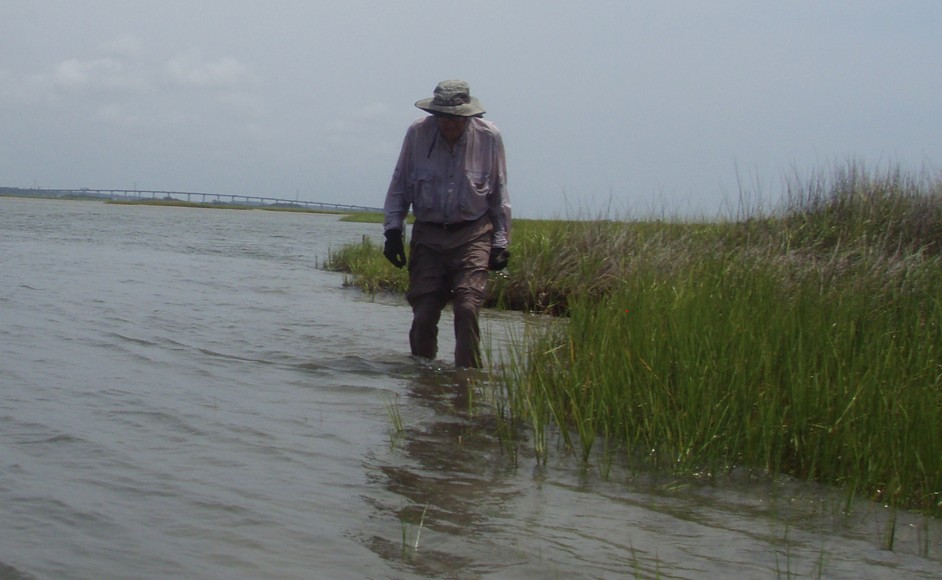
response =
{"points": [[201, 197]]}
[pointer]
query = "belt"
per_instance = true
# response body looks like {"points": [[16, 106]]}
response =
{"points": [[448, 227]]}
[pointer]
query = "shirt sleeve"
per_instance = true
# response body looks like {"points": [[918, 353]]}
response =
{"points": [[499, 201], [396, 206]]}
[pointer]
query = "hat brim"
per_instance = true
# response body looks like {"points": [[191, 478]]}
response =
{"points": [[471, 109]]}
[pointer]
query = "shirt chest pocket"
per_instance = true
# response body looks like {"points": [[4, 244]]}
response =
{"points": [[479, 182], [474, 201], [425, 186]]}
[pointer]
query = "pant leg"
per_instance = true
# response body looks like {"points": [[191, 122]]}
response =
{"points": [[428, 293], [423, 336], [448, 272], [468, 278], [467, 306]]}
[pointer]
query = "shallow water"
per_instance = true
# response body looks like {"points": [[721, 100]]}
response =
{"points": [[183, 393]]}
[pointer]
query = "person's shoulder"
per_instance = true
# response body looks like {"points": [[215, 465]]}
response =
{"points": [[484, 126], [423, 124]]}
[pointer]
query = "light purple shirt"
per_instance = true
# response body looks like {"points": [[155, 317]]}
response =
{"points": [[449, 186]]}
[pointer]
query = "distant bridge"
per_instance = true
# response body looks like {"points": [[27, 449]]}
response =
{"points": [[199, 197]]}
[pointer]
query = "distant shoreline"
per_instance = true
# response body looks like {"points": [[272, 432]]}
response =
{"points": [[366, 217], [185, 199], [211, 205], [32, 194]]}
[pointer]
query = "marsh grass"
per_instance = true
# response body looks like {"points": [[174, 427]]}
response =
{"points": [[412, 533], [805, 342], [889, 211], [364, 266], [736, 363], [397, 426], [368, 217]]}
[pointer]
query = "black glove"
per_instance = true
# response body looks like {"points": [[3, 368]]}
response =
{"points": [[499, 258], [393, 250]]}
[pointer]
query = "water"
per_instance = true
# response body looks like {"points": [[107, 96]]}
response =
{"points": [[183, 393]]}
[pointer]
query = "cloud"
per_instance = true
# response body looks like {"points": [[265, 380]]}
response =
{"points": [[126, 45], [359, 121], [93, 76], [6, 84], [75, 74], [359, 131], [121, 85], [189, 69]]}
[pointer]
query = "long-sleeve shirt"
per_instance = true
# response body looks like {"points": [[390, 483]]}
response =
{"points": [[449, 185]]}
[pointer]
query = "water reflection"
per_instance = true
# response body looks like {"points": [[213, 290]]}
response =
{"points": [[454, 505], [449, 474]]}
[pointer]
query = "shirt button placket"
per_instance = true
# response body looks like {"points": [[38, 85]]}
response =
{"points": [[451, 205]]}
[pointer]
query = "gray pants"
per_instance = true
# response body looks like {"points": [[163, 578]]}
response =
{"points": [[439, 272]]}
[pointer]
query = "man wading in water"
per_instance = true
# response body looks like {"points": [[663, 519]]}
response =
{"points": [[453, 173]]}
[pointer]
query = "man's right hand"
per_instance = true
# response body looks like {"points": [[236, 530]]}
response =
{"points": [[394, 250]]}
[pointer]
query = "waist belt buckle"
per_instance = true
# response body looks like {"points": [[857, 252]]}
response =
{"points": [[455, 225]]}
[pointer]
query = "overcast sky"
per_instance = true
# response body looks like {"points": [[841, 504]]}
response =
{"points": [[638, 106]]}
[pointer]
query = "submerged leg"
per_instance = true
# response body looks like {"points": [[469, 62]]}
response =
{"points": [[469, 282], [467, 306], [423, 336]]}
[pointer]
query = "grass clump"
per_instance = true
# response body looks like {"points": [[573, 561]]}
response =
{"points": [[890, 212], [364, 266]]}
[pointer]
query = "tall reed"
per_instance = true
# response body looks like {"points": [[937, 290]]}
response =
{"points": [[806, 344]]}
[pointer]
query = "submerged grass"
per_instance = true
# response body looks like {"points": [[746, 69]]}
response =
{"points": [[806, 342]]}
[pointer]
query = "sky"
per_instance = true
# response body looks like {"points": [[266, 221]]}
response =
{"points": [[609, 108]]}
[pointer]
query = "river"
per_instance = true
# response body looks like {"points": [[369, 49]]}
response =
{"points": [[186, 393]]}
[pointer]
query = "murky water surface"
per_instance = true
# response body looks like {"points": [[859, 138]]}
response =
{"points": [[183, 393]]}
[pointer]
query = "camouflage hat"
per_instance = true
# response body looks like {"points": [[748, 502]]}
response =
{"points": [[452, 98]]}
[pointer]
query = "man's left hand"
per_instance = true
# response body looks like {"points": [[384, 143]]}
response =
{"points": [[499, 258]]}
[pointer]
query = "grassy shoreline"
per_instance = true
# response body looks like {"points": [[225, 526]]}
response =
{"points": [[807, 342]]}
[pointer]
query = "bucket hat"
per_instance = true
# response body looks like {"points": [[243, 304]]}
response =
{"points": [[452, 98]]}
